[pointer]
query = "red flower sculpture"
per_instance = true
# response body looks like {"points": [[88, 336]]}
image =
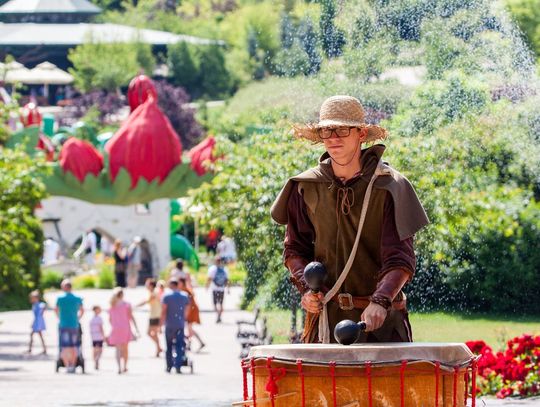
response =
{"points": [[201, 153], [45, 144], [140, 88], [80, 158], [146, 145], [30, 115]]}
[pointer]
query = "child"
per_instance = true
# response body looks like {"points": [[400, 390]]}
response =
{"points": [[97, 334], [38, 326]]}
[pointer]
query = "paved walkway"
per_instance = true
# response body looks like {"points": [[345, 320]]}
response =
{"points": [[30, 380]]}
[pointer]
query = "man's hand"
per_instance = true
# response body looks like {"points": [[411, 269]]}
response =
{"points": [[312, 302], [374, 316]]}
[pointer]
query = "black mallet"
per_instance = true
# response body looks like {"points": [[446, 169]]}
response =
{"points": [[347, 332], [315, 274]]}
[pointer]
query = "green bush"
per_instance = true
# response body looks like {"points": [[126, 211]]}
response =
{"points": [[438, 103], [108, 66], [21, 235], [84, 281], [475, 177], [50, 279], [106, 277]]}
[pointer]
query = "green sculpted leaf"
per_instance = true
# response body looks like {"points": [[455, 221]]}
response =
{"points": [[100, 190]]}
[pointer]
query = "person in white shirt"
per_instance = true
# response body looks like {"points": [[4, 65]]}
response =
{"points": [[97, 335], [226, 249], [179, 272], [51, 251], [218, 279]]}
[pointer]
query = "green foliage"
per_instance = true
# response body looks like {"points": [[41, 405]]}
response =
{"points": [[332, 37], [21, 236], [292, 61], [214, 78], [527, 15], [105, 278], [184, 66], [84, 281], [370, 60], [480, 192], [272, 158], [50, 279], [436, 104], [108, 66]]}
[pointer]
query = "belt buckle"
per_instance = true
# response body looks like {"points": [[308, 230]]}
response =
{"points": [[345, 301]]}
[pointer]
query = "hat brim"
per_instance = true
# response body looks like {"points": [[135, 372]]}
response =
{"points": [[311, 131]]}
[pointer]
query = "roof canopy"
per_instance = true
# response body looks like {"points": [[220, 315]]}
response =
{"points": [[49, 6], [30, 34]]}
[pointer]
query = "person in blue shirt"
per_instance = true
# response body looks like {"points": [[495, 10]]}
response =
{"points": [[69, 310], [174, 310]]}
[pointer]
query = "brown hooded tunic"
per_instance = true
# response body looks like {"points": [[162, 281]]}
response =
{"points": [[334, 211]]}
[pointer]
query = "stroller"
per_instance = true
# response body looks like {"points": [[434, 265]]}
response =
{"points": [[80, 358], [186, 360]]}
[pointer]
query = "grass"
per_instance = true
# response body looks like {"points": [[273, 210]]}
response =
{"points": [[439, 327]]}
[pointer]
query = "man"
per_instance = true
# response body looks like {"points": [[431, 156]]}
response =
{"points": [[357, 216], [174, 310], [69, 310], [218, 279]]}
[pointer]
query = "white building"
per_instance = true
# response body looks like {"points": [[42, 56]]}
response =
{"points": [[66, 219]]}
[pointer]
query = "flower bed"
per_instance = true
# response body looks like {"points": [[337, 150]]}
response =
{"points": [[514, 372]]}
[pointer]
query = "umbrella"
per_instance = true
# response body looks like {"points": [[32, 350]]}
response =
{"points": [[44, 73], [49, 74], [14, 72]]}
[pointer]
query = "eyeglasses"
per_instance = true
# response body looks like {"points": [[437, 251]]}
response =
{"points": [[341, 132]]}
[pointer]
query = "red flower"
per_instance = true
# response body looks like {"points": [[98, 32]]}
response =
{"points": [[80, 158], [201, 153], [30, 115], [478, 347], [503, 393], [146, 145], [140, 88]]}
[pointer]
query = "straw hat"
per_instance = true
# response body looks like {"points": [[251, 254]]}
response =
{"points": [[340, 111]]}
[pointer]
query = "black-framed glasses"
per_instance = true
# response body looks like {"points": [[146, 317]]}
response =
{"points": [[340, 132]]}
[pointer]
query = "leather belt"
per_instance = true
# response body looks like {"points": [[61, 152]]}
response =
{"points": [[347, 302]]}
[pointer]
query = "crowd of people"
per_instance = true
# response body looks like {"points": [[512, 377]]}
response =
{"points": [[173, 311]]}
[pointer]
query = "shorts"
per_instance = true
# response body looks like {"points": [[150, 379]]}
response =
{"points": [[154, 321], [97, 344], [218, 297], [69, 337]]}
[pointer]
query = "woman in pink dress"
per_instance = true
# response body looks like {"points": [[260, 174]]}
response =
{"points": [[121, 318]]}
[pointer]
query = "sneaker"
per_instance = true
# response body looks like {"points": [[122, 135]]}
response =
{"points": [[168, 369], [201, 347], [178, 370]]}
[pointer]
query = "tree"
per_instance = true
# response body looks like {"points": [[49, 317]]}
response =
{"points": [[108, 66], [145, 58], [183, 66], [308, 39], [21, 236], [527, 15], [332, 38], [214, 78]]}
